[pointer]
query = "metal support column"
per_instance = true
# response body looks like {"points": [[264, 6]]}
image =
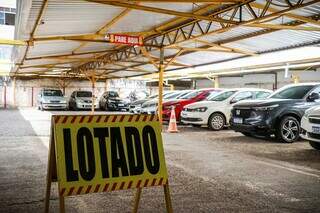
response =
{"points": [[161, 70], [93, 83]]}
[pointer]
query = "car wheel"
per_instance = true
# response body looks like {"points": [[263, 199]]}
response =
{"points": [[288, 129], [216, 121], [41, 107], [315, 145]]}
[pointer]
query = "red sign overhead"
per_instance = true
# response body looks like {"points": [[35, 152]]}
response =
{"points": [[126, 39]]}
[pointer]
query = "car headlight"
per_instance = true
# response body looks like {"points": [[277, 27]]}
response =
{"points": [[111, 101], [307, 113], [266, 108], [200, 109]]}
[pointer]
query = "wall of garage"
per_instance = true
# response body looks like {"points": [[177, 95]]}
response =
{"points": [[27, 90], [266, 81]]}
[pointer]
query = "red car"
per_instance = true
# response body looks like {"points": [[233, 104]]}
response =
{"points": [[194, 96]]}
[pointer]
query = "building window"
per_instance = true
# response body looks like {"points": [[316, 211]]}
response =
{"points": [[7, 16], [9, 19]]}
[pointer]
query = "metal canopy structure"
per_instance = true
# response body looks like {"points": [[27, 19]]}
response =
{"points": [[67, 38]]}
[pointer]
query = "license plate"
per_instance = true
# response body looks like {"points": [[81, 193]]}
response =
{"points": [[120, 104], [316, 129], [185, 114], [237, 120]]}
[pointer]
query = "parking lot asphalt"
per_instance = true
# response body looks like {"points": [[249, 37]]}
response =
{"points": [[208, 172]]}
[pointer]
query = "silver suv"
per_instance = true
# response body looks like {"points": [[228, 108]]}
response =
{"points": [[51, 99]]}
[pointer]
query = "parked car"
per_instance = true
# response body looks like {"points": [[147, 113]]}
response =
{"points": [[180, 102], [151, 106], [215, 111], [81, 100], [111, 101], [135, 106], [280, 114], [310, 126], [51, 99]]}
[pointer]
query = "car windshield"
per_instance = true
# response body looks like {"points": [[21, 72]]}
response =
{"points": [[52, 93], [294, 92], [113, 94], [212, 94], [182, 94], [84, 94], [190, 95], [221, 96], [153, 96]]}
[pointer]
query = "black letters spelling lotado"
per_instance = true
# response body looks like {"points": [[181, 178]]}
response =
{"points": [[118, 158]]}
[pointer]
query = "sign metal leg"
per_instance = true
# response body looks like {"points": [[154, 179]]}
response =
{"points": [[136, 200], [168, 198]]}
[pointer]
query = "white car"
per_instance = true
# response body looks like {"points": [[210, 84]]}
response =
{"points": [[215, 112], [150, 107], [82, 100], [51, 99], [310, 126]]}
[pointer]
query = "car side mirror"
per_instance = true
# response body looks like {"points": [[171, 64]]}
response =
{"points": [[313, 96], [233, 101]]}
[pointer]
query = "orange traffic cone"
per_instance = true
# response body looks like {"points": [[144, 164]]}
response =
{"points": [[173, 122]]}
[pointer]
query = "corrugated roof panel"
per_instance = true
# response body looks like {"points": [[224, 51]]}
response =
{"points": [[74, 17], [52, 47], [275, 40]]}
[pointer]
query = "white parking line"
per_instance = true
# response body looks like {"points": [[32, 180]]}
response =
{"points": [[291, 169]]}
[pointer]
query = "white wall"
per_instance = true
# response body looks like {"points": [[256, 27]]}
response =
{"points": [[27, 90], [261, 80]]}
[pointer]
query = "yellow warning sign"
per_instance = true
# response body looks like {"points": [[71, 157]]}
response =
{"points": [[100, 153]]}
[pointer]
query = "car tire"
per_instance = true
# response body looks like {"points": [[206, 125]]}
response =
{"points": [[247, 134], [315, 145], [288, 130], [216, 121]]}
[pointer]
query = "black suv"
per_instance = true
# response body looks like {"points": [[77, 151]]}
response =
{"points": [[279, 114], [110, 100]]}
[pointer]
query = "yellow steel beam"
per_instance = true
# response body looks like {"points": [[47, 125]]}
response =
{"points": [[176, 1], [275, 14], [164, 11], [284, 27], [201, 49], [67, 55], [290, 15], [12, 42]]}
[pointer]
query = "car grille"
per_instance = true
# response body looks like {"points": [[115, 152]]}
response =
{"points": [[314, 120], [313, 135], [85, 101], [55, 102], [242, 113]]}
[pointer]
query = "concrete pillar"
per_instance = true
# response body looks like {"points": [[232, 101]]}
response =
{"points": [[216, 82]]}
